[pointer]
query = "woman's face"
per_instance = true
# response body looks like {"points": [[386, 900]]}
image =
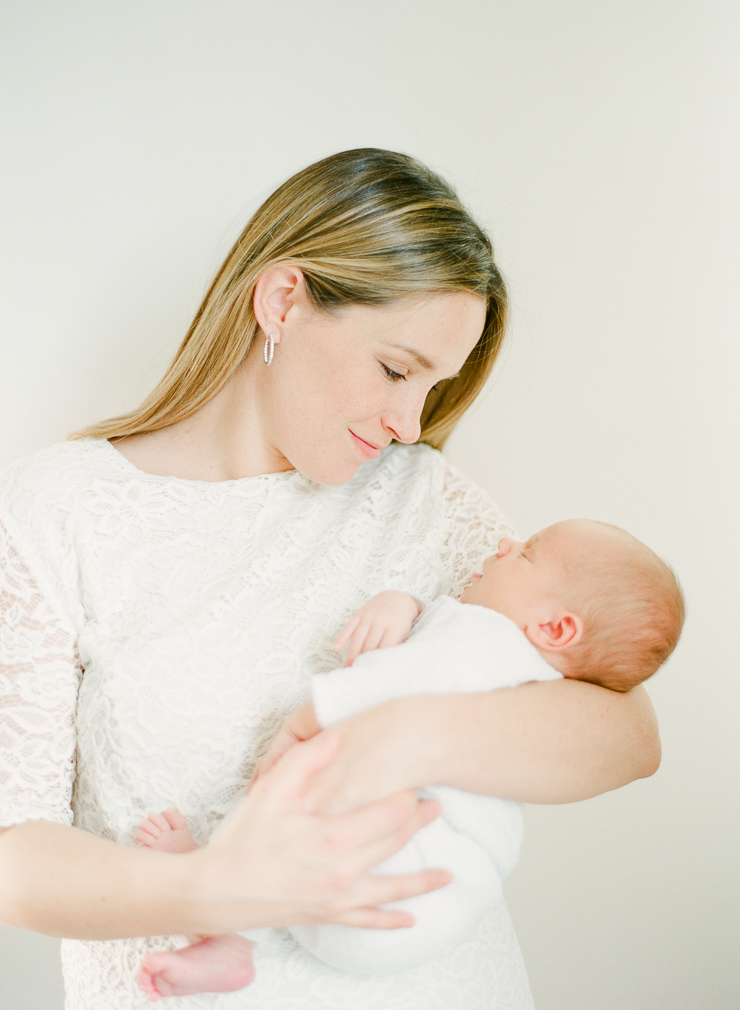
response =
{"points": [[342, 385]]}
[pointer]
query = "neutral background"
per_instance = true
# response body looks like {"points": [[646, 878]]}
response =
{"points": [[598, 143]]}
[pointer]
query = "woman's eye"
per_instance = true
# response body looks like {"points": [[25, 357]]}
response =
{"points": [[393, 376]]}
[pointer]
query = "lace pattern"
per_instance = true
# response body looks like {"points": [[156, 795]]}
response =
{"points": [[39, 678], [198, 613]]}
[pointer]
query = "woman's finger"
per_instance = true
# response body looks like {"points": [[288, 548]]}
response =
{"points": [[386, 889], [377, 890], [383, 890], [282, 742], [364, 838], [289, 777], [376, 918]]}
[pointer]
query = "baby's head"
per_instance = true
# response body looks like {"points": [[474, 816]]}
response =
{"points": [[598, 604]]}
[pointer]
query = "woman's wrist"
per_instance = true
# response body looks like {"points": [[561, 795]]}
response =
{"points": [[63, 881]]}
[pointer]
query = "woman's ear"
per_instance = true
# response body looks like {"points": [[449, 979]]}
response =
{"points": [[561, 631], [279, 290]]}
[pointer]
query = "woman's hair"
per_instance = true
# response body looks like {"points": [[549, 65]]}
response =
{"points": [[366, 227]]}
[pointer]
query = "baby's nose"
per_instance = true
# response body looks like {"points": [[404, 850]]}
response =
{"points": [[507, 544]]}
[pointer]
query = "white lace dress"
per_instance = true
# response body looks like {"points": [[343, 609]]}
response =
{"points": [[157, 631]]}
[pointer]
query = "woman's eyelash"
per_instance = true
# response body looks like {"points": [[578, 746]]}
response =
{"points": [[393, 376]]}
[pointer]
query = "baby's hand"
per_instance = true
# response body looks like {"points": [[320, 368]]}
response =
{"points": [[386, 620], [301, 725]]}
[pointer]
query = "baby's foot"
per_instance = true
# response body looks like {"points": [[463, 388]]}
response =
{"points": [[167, 832], [214, 964]]}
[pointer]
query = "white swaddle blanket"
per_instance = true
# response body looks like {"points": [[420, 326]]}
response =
{"points": [[453, 648]]}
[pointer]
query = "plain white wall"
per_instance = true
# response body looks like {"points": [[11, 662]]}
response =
{"points": [[598, 143]]}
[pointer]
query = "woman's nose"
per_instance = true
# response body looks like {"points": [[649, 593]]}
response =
{"points": [[405, 424]]}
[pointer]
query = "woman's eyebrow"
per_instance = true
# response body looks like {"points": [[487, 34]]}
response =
{"points": [[425, 363], [417, 355]]}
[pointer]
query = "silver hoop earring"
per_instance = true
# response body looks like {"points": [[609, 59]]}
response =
{"points": [[269, 349]]}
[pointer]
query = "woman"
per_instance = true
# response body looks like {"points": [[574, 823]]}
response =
{"points": [[195, 559]]}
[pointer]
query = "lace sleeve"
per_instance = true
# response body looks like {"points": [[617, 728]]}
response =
{"points": [[475, 526], [39, 679]]}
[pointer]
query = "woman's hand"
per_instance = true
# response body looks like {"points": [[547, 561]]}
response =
{"points": [[280, 859], [363, 769], [300, 726]]}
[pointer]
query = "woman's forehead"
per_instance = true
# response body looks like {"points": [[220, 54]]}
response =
{"points": [[433, 326]]}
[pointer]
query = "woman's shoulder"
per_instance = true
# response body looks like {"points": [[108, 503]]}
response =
{"points": [[424, 499], [453, 490], [40, 499], [71, 461], [49, 481]]}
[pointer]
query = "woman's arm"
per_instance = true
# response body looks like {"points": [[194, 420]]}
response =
{"points": [[552, 742], [275, 861]]}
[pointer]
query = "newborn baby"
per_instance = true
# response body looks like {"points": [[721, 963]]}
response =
{"points": [[581, 599]]}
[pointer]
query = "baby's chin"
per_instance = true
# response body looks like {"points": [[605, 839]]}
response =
{"points": [[468, 595]]}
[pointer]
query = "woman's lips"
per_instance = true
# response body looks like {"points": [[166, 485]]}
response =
{"points": [[371, 451]]}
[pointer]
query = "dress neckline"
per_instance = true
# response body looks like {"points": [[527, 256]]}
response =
{"points": [[125, 465]]}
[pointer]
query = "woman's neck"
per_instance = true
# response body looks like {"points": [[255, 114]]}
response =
{"points": [[223, 440]]}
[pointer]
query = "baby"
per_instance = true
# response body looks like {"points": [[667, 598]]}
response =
{"points": [[580, 599]]}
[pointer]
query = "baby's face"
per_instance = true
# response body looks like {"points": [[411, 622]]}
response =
{"points": [[519, 578]]}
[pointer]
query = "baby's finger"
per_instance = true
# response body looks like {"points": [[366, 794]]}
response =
{"points": [[358, 644], [373, 638], [345, 633], [371, 641], [392, 636]]}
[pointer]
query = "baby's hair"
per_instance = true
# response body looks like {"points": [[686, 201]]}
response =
{"points": [[632, 608]]}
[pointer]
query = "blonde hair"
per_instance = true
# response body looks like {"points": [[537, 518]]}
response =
{"points": [[366, 227], [632, 608]]}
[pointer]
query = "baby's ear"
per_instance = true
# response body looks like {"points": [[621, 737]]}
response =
{"points": [[560, 631]]}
